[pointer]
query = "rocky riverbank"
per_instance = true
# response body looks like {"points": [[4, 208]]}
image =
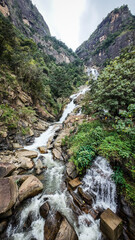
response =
{"points": [[20, 171]]}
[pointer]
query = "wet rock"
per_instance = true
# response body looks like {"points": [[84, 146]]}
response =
{"points": [[78, 99], [75, 183], [42, 149], [39, 166], [111, 224], [71, 170], [66, 232], [29, 188], [28, 221], [75, 209], [44, 210], [3, 225], [26, 153], [52, 225], [95, 214], [77, 199], [86, 197], [8, 194], [6, 169]]}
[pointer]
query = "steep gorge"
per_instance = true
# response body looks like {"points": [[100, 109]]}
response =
{"points": [[29, 97]]}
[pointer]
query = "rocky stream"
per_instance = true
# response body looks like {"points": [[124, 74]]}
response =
{"points": [[67, 208]]}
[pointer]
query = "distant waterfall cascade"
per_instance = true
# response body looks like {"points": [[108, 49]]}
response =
{"points": [[93, 72], [97, 182]]}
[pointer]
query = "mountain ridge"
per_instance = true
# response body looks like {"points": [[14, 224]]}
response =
{"points": [[114, 33]]}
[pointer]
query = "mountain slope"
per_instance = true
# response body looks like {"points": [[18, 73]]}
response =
{"points": [[114, 33], [26, 17]]}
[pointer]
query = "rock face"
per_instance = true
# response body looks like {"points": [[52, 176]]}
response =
{"points": [[66, 232], [127, 213], [8, 194], [26, 17], [6, 169], [113, 34], [111, 224], [29, 188]]}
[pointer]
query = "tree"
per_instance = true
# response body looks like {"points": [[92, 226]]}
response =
{"points": [[114, 90]]}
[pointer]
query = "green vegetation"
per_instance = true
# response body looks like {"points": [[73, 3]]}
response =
{"points": [[113, 91], [10, 117], [111, 100], [24, 64]]}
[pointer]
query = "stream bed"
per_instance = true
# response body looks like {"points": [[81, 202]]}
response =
{"points": [[97, 181]]}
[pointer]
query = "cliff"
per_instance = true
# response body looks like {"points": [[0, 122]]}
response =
{"points": [[114, 33], [26, 17]]}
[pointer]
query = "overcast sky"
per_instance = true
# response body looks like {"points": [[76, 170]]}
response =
{"points": [[72, 21]]}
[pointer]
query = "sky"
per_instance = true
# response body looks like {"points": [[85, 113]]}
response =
{"points": [[73, 21]]}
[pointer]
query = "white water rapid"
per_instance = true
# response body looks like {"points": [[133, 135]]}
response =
{"points": [[97, 181]]}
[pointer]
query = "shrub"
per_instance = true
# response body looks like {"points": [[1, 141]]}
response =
{"points": [[83, 158]]}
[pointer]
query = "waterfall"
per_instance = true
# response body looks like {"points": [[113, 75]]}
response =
{"points": [[97, 181]]}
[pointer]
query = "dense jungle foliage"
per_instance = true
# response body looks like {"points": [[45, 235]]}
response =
{"points": [[111, 101]]}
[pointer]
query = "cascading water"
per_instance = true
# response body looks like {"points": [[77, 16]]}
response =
{"points": [[97, 181]]}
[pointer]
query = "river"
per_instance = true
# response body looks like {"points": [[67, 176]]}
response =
{"points": [[96, 181]]}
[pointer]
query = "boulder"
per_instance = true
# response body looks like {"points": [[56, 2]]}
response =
{"points": [[111, 224], [57, 154], [75, 183], [26, 153], [66, 232], [71, 170], [52, 225], [6, 169], [86, 197], [24, 162], [30, 187], [42, 149], [44, 210], [8, 194]]}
